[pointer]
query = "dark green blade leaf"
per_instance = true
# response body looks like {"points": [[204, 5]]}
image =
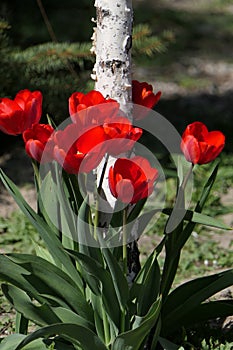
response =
{"points": [[12, 341], [187, 231], [87, 244], [101, 284], [168, 345], [136, 210], [68, 316], [46, 232], [133, 339], [207, 187], [199, 218], [206, 311], [55, 282], [39, 314], [119, 280], [139, 224], [17, 275], [146, 285], [185, 298], [75, 333]]}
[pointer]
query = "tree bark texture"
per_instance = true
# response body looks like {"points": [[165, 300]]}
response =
{"points": [[112, 41]]}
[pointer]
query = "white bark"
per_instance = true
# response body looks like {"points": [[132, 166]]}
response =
{"points": [[112, 40]]}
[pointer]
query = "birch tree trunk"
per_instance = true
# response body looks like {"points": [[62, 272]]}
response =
{"points": [[112, 40]]}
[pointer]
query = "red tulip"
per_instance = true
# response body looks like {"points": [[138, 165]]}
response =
{"points": [[36, 142], [199, 145], [79, 100], [21, 113], [79, 153], [132, 179], [121, 135], [142, 94], [91, 109]]}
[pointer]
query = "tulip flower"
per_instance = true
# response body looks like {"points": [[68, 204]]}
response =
{"points": [[132, 179], [199, 145], [79, 100], [91, 109], [36, 142], [21, 113], [121, 135], [79, 153], [142, 94]]}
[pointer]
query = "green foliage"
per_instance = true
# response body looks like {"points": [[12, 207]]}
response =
{"points": [[74, 298], [147, 44]]}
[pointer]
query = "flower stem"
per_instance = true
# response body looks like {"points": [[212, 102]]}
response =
{"points": [[36, 173], [186, 178], [125, 259], [96, 221], [124, 242]]}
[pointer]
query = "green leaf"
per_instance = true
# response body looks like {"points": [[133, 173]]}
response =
{"points": [[40, 314], [136, 210], [87, 244], [54, 282], [46, 232], [187, 231], [119, 281], [117, 216], [12, 341], [98, 315], [207, 311], [207, 187], [141, 223], [17, 275], [199, 218], [21, 322], [185, 298], [48, 205], [68, 316], [146, 286], [133, 339], [168, 345], [209, 221], [101, 284], [76, 334], [72, 186]]}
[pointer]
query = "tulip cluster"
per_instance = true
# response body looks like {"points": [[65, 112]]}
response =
{"points": [[98, 127], [95, 294]]}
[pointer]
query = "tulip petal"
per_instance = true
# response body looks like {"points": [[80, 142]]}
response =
{"points": [[125, 190], [190, 148]]}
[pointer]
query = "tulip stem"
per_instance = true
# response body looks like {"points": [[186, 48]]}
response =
{"points": [[96, 222], [124, 242], [36, 172], [186, 178]]}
